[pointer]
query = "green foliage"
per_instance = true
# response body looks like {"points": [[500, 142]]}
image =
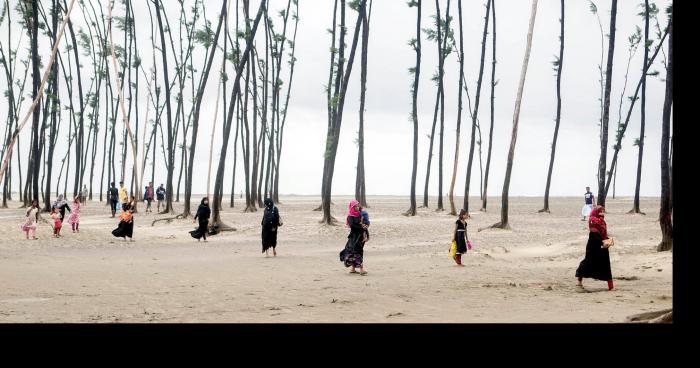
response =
{"points": [[205, 36], [412, 3], [592, 7], [355, 5], [84, 42]]}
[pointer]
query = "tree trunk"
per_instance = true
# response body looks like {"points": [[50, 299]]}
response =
{"points": [[219, 182], [334, 136], [560, 62], [416, 44], [475, 115], [360, 176], [606, 108], [635, 206], [516, 117], [198, 103], [493, 96], [666, 210]]}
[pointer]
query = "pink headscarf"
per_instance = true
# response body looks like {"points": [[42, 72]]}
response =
{"points": [[352, 212]]}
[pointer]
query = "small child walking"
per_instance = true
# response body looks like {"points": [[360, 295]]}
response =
{"points": [[57, 223], [74, 218], [365, 221], [31, 220]]}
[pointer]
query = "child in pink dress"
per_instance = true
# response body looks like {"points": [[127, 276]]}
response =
{"points": [[31, 220], [74, 218]]}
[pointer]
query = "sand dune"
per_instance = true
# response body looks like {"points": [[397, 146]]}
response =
{"points": [[521, 275]]}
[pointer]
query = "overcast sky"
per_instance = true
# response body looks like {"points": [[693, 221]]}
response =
{"points": [[388, 129]]}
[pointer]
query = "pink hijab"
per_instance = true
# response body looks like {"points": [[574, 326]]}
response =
{"points": [[352, 212]]}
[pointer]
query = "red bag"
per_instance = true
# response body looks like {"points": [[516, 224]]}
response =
{"points": [[469, 244]]}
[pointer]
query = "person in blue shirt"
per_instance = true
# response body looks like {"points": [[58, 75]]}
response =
{"points": [[365, 221], [589, 202]]}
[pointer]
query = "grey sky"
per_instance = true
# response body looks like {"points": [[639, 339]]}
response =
{"points": [[389, 132]]}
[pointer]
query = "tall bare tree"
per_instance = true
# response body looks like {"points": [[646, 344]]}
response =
{"points": [[666, 208], [416, 45], [475, 114], [484, 199], [338, 102], [558, 63], [503, 224], [640, 141], [602, 163]]}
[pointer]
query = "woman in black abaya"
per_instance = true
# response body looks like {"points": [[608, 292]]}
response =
{"points": [[203, 213]]}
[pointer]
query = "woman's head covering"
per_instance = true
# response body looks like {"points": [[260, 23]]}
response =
{"points": [[352, 212], [596, 221], [202, 202], [268, 203], [60, 201]]}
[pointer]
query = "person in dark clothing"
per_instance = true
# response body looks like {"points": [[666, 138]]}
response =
{"points": [[203, 213], [61, 205], [126, 224], [113, 198], [148, 196], [596, 264], [160, 195], [352, 255], [270, 223], [460, 236], [589, 202]]}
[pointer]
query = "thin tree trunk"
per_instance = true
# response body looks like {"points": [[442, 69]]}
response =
{"points": [[416, 44], [218, 184], [666, 208], [475, 114], [635, 206], [602, 163], [560, 61], [332, 141], [503, 224], [198, 102], [360, 176]]}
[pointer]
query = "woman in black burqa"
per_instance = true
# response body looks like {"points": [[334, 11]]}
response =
{"points": [[126, 223], [203, 213], [596, 264], [352, 255], [270, 223]]}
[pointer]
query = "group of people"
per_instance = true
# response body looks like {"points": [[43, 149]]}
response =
{"points": [[596, 263], [119, 197], [57, 214]]}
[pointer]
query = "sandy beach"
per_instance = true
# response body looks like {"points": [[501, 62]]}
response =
{"points": [[523, 275]]}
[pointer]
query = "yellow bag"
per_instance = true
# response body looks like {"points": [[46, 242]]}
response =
{"points": [[453, 249]]}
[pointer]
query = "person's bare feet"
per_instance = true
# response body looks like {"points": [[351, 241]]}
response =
{"points": [[274, 252]]}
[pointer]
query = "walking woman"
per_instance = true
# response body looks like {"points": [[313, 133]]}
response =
{"points": [[31, 220], [270, 223], [459, 235], [61, 204], [596, 264], [352, 255], [126, 224], [203, 213]]}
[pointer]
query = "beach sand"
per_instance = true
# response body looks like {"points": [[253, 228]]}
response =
{"points": [[522, 275]]}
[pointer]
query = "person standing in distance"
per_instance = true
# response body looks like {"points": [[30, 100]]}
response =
{"points": [[589, 202]]}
